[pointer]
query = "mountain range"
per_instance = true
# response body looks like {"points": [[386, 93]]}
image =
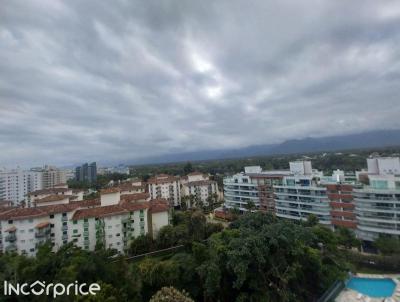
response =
{"points": [[371, 139]]}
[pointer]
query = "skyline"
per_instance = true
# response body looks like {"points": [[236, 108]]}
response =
{"points": [[128, 80]]}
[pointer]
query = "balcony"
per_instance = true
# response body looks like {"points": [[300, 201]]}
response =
{"points": [[64, 218], [42, 233], [11, 237]]}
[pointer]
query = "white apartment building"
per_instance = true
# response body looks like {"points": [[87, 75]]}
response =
{"points": [[253, 185], [378, 204], [16, 184], [302, 194], [166, 187], [199, 186], [110, 222]]}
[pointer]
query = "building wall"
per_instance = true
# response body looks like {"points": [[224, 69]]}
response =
{"points": [[16, 184], [158, 220], [83, 233], [299, 197], [166, 190]]}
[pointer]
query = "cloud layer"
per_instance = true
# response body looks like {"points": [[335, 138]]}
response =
{"points": [[119, 80]]}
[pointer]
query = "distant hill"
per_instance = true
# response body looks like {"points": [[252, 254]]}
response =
{"points": [[371, 139]]}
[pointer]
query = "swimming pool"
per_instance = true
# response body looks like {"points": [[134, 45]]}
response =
{"points": [[373, 287]]}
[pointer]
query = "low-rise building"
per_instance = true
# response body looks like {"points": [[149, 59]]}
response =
{"points": [[111, 221], [378, 204], [198, 188], [166, 187], [252, 186]]}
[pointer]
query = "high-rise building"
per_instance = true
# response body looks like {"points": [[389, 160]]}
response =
{"points": [[16, 184], [86, 172], [51, 176]]}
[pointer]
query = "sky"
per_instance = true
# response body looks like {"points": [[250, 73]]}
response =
{"points": [[123, 80]]}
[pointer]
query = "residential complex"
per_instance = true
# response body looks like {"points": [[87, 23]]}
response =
{"points": [[366, 201], [86, 172], [60, 216], [165, 186], [377, 205], [198, 187]]}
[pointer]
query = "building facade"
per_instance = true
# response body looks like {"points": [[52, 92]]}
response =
{"points": [[377, 205], [108, 222], [302, 194], [253, 186], [198, 188], [166, 187], [16, 184]]}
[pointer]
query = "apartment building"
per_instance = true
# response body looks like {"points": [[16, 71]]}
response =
{"points": [[252, 185], [200, 187], [166, 187], [302, 194], [377, 205], [109, 222], [16, 184]]}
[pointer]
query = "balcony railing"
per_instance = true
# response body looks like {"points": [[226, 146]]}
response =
{"points": [[11, 237]]}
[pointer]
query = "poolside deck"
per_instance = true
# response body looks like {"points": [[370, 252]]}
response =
{"points": [[349, 295]]}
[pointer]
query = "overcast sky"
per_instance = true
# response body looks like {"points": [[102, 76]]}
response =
{"points": [[116, 80]]}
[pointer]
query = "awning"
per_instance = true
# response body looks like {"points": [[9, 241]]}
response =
{"points": [[42, 225]]}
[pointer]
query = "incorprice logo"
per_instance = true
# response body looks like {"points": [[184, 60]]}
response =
{"points": [[52, 289]]}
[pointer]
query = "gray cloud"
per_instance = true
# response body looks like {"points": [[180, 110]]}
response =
{"points": [[101, 80]]}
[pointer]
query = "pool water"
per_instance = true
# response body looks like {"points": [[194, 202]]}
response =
{"points": [[373, 287]]}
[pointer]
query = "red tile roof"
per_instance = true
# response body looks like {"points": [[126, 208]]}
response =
{"points": [[52, 198], [162, 178], [109, 190], [158, 205], [42, 225], [49, 191], [109, 210], [134, 197]]}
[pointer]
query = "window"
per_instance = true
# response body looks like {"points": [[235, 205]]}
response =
{"points": [[30, 230], [32, 250], [75, 221], [86, 229], [118, 234], [75, 231], [52, 225], [64, 214], [10, 222], [86, 238], [142, 219], [22, 231], [64, 223], [51, 216], [64, 232], [30, 220], [85, 220]]}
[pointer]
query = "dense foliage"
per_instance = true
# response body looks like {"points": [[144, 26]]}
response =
{"points": [[256, 259]]}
